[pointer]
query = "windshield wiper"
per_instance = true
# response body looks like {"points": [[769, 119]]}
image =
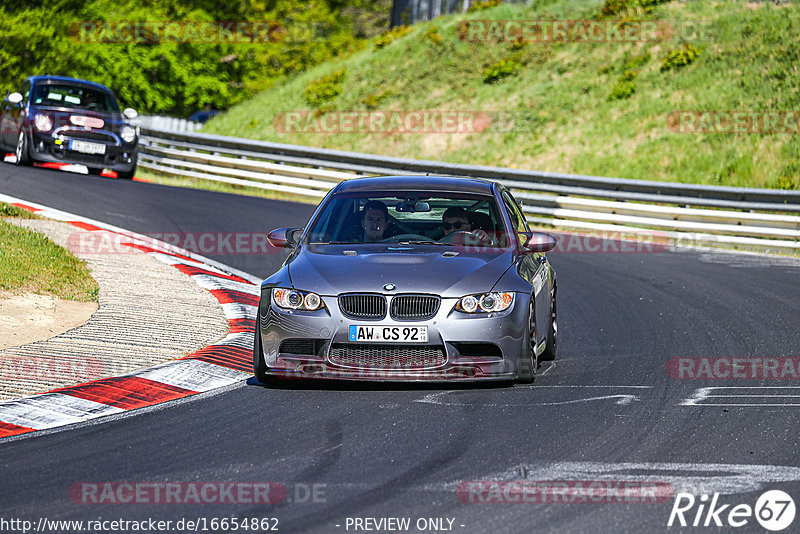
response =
{"points": [[425, 243]]}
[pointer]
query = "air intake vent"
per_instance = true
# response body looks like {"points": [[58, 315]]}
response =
{"points": [[392, 357]]}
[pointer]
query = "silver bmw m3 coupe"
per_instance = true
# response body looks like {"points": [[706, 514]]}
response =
{"points": [[409, 278]]}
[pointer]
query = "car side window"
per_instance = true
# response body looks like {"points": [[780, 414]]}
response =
{"points": [[26, 91], [517, 217]]}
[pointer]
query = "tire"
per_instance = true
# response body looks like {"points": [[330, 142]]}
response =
{"points": [[259, 367], [94, 171], [549, 353], [127, 175], [22, 150], [526, 373]]}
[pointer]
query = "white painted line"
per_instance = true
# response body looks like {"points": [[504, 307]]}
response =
{"points": [[546, 368], [621, 399], [695, 478], [194, 375], [767, 393], [52, 409]]}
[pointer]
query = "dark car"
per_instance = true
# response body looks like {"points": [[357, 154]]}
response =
{"points": [[66, 120], [203, 116], [414, 278]]}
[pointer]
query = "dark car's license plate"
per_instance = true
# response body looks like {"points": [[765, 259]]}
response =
{"points": [[388, 334], [87, 148]]}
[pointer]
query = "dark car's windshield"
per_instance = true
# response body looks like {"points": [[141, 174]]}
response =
{"points": [[74, 96], [414, 218]]}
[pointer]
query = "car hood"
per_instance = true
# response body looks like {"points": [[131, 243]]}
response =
{"points": [[327, 270]]}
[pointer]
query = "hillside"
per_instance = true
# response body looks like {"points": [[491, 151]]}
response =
{"points": [[591, 107]]}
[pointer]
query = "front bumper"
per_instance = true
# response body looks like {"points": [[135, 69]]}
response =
{"points": [[473, 348], [44, 148]]}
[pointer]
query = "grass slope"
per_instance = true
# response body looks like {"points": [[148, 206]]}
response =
{"points": [[575, 110], [30, 262]]}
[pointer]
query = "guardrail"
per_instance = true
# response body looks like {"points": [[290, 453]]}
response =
{"points": [[763, 219]]}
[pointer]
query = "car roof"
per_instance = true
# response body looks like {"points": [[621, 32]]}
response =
{"points": [[451, 184], [76, 81]]}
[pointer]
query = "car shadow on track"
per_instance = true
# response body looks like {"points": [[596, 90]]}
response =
{"points": [[350, 385]]}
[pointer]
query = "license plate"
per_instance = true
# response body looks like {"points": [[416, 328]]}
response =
{"points": [[388, 334], [87, 148]]}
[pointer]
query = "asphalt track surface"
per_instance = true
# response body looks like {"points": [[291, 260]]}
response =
{"points": [[607, 410]]}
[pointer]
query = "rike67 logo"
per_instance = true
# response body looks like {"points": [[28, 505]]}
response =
{"points": [[774, 510]]}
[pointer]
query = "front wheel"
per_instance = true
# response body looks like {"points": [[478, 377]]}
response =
{"points": [[552, 334], [126, 175], [259, 367], [22, 152], [526, 373]]}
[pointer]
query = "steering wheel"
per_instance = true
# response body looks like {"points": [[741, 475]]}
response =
{"points": [[463, 237]]}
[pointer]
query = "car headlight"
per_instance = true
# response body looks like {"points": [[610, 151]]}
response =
{"points": [[485, 302], [128, 133], [292, 299], [42, 122]]}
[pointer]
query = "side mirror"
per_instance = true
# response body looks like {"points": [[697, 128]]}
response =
{"points": [[14, 98], [130, 114], [539, 242], [284, 237]]}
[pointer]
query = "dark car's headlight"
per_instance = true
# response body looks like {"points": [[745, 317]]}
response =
{"points": [[128, 133], [292, 299], [485, 302], [42, 122]]}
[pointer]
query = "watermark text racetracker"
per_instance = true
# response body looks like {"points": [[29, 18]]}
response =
{"points": [[149, 32], [734, 368], [740, 121], [581, 31], [563, 491], [244, 243], [203, 493], [206, 243], [36, 367]]}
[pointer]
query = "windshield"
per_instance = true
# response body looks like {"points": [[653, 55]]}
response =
{"points": [[74, 96], [403, 217]]}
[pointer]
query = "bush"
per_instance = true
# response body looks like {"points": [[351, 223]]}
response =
{"points": [[622, 90], [433, 36], [501, 69], [387, 38], [325, 89], [679, 58], [625, 86], [480, 5], [373, 100], [615, 7]]}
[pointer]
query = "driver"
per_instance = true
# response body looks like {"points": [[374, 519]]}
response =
{"points": [[374, 220], [456, 219]]}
